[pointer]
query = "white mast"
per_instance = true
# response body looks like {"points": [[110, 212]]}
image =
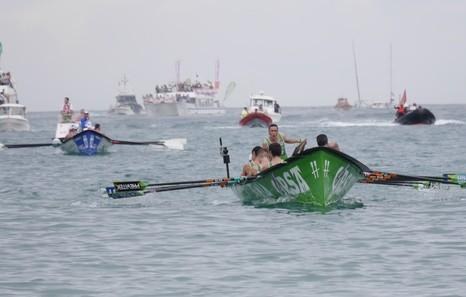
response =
{"points": [[391, 77], [178, 71], [217, 74], [357, 78]]}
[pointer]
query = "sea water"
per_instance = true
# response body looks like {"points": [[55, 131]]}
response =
{"points": [[60, 237]]}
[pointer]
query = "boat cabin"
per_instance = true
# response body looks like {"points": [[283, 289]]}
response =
{"points": [[12, 110], [126, 99], [263, 103], [7, 94]]}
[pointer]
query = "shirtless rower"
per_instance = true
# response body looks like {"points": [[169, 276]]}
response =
{"points": [[259, 162], [275, 150], [280, 138], [322, 140]]}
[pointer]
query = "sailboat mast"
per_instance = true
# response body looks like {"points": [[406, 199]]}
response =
{"points": [[357, 77], [217, 74], [178, 71], [1, 50], [391, 77]]}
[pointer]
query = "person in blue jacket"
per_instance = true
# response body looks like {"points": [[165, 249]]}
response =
{"points": [[85, 123]]}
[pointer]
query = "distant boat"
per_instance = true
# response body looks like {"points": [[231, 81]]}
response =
{"points": [[12, 114], [126, 103], [263, 110], [378, 104], [87, 142], [343, 104], [412, 114], [13, 117], [187, 97], [419, 116]]}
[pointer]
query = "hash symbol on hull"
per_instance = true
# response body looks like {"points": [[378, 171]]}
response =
{"points": [[326, 167], [314, 169]]}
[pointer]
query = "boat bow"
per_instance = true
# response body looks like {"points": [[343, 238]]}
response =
{"points": [[318, 177]]}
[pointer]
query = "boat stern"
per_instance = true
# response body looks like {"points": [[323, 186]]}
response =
{"points": [[86, 143]]}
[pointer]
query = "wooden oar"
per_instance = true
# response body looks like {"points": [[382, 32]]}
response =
{"points": [[139, 188], [24, 145], [176, 143], [388, 178], [113, 193], [222, 182], [122, 186], [412, 184], [201, 185]]}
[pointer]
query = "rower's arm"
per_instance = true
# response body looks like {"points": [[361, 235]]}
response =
{"points": [[291, 140], [265, 146]]}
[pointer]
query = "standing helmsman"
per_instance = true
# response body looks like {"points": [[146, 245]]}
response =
{"points": [[67, 111], [280, 138]]}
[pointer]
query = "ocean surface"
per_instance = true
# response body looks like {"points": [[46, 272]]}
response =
{"points": [[60, 237]]}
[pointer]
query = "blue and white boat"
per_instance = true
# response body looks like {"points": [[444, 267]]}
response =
{"points": [[87, 142]]}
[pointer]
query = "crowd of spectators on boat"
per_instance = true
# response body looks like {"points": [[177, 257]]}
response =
{"points": [[185, 86], [168, 98]]}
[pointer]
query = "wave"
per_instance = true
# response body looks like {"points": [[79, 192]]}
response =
{"points": [[222, 127], [369, 123], [449, 122]]}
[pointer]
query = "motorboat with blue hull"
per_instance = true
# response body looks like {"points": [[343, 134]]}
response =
{"points": [[419, 116], [87, 142]]}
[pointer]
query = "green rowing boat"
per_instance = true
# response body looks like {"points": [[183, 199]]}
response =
{"points": [[317, 177]]}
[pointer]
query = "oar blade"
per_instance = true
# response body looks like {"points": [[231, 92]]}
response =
{"points": [[459, 178], [113, 193], [175, 143], [128, 186]]}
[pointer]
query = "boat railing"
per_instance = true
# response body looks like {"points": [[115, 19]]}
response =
{"points": [[13, 110]]}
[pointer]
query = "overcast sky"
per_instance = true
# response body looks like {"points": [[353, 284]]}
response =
{"points": [[298, 51]]}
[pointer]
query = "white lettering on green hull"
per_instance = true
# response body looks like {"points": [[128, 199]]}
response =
{"points": [[343, 180], [291, 183], [303, 186], [260, 190]]}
